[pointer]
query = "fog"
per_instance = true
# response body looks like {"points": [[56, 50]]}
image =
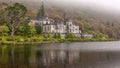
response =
{"points": [[106, 5], [109, 5], [100, 5]]}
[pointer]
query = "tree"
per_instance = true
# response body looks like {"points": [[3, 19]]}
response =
{"points": [[27, 30], [1, 22], [41, 12], [21, 31], [14, 16], [32, 30], [38, 29], [4, 30], [70, 35], [59, 36], [99, 35], [24, 29]]}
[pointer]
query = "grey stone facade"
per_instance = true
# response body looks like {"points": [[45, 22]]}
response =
{"points": [[50, 26]]}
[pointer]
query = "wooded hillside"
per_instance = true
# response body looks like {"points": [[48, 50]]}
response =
{"points": [[90, 20]]}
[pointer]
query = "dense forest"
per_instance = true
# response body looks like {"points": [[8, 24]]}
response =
{"points": [[89, 20]]}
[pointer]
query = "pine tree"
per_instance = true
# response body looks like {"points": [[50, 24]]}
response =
{"points": [[41, 12]]}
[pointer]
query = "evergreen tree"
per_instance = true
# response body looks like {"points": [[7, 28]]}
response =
{"points": [[38, 29], [59, 35], [41, 12]]}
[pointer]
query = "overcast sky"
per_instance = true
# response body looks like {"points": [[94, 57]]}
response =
{"points": [[103, 3], [113, 5]]}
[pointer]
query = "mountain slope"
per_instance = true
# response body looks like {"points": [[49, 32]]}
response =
{"points": [[89, 18]]}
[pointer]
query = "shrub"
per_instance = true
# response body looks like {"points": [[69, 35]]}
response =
{"points": [[26, 39], [46, 39], [0, 38], [10, 39], [19, 40], [34, 39]]}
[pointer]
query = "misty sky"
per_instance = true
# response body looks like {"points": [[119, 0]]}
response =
{"points": [[103, 3], [110, 5], [113, 5]]}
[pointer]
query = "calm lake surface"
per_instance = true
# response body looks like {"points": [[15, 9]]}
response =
{"points": [[63, 55]]}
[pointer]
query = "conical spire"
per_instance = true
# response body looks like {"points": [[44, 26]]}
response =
{"points": [[64, 18]]}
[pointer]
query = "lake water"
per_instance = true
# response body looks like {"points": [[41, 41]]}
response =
{"points": [[62, 55]]}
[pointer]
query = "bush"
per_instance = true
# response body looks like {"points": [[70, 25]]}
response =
{"points": [[10, 39], [34, 39], [19, 40], [0, 38], [26, 40], [46, 39]]}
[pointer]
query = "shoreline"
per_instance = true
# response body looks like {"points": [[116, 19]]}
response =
{"points": [[55, 41]]}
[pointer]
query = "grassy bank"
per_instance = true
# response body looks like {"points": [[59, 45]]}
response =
{"points": [[41, 40]]}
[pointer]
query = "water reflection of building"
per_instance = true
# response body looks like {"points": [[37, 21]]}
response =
{"points": [[26, 57], [61, 57]]}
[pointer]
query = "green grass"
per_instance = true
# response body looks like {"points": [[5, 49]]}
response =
{"points": [[40, 40]]}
